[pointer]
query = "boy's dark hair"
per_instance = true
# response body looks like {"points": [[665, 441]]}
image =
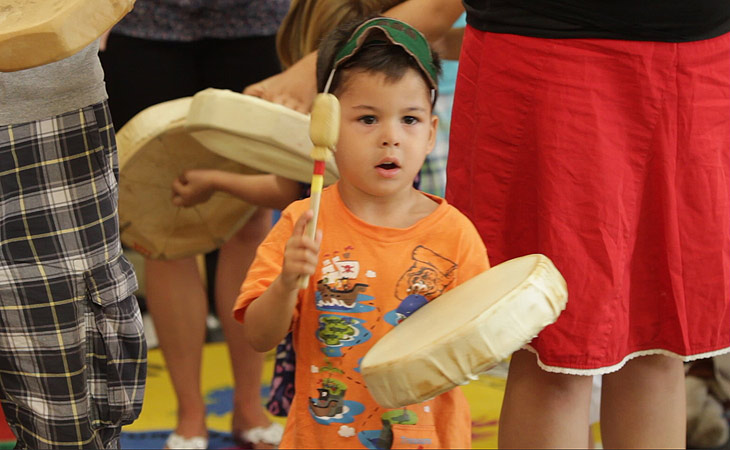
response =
{"points": [[376, 55]]}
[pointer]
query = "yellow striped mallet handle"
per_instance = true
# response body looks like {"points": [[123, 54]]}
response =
{"points": [[324, 129]]}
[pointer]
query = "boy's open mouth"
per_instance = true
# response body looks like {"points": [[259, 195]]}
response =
{"points": [[388, 169], [388, 166]]}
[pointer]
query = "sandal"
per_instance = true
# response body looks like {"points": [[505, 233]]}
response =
{"points": [[270, 435], [175, 441]]}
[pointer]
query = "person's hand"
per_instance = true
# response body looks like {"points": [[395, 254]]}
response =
{"points": [[300, 254], [294, 88], [193, 187]]}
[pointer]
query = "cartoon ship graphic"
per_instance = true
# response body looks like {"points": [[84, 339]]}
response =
{"points": [[335, 288], [331, 400], [335, 270], [339, 297]]}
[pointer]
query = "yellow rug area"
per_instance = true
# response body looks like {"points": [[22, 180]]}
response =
{"points": [[159, 412]]}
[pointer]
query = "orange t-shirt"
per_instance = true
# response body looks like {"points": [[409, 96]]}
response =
{"points": [[368, 278]]}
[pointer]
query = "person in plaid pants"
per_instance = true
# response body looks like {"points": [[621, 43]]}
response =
{"points": [[72, 347]]}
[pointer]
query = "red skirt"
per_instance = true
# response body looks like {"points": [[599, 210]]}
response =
{"points": [[613, 159]]}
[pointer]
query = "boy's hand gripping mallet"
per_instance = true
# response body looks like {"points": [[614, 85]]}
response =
{"points": [[324, 129]]}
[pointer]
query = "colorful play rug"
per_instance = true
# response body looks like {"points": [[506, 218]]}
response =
{"points": [[158, 414]]}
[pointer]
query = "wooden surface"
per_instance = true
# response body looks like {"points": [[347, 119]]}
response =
{"points": [[263, 135], [154, 149], [37, 32]]}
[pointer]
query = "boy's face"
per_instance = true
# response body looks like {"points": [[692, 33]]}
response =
{"points": [[386, 130]]}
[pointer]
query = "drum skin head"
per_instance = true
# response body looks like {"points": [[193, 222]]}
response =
{"points": [[257, 133], [154, 149], [37, 32], [464, 332]]}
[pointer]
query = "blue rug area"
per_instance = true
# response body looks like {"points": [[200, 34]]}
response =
{"points": [[156, 439]]}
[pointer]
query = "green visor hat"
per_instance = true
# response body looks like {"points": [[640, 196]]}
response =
{"points": [[398, 33]]}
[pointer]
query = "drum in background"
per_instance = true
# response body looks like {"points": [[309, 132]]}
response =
{"points": [[154, 149], [33, 33], [263, 135], [465, 332]]}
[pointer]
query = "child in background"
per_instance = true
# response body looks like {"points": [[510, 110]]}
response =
{"points": [[301, 31], [377, 234]]}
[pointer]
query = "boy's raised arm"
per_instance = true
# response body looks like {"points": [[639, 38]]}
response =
{"points": [[268, 318]]}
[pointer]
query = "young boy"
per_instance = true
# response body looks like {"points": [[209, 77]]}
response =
{"points": [[381, 242]]}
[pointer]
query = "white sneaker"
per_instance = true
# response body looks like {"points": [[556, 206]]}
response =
{"points": [[270, 435], [175, 441]]}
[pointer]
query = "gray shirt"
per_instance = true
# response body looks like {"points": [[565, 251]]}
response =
{"points": [[52, 89]]}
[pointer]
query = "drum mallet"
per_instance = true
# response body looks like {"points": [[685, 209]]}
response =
{"points": [[324, 129]]}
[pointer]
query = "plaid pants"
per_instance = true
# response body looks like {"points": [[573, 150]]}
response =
{"points": [[72, 348]]}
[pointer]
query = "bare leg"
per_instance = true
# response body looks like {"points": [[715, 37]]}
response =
{"points": [[177, 303], [643, 405], [543, 409], [233, 262]]}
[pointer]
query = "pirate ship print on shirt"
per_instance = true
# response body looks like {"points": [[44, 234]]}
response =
{"points": [[337, 290], [330, 405]]}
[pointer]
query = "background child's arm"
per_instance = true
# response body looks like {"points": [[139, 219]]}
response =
{"points": [[449, 46], [198, 185], [433, 18], [269, 317]]}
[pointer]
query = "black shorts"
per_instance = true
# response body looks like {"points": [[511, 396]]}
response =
{"points": [[141, 73]]}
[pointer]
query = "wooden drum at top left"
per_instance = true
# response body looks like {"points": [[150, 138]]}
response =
{"points": [[37, 32]]}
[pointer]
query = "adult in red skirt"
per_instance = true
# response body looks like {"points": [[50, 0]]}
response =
{"points": [[598, 133]]}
